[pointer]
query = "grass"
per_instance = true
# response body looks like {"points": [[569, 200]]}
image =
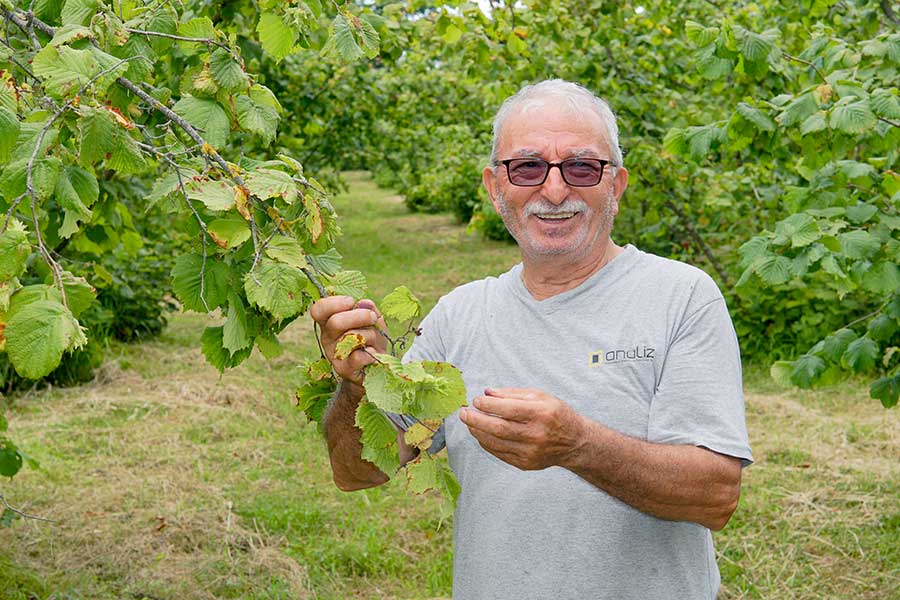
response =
{"points": [[167, 481]]}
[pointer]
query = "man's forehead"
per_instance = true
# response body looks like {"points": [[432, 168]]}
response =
{"points": [[557, 129], [526, 152]]}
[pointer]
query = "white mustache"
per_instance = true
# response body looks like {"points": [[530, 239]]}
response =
{"points": [[545, 207]]}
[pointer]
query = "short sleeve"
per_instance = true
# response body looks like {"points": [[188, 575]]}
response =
{"points": [[699, 397]]}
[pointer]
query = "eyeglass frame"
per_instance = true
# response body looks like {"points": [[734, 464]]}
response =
{"points": [[603, 164]]}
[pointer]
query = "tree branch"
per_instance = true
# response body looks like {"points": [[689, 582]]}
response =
{"points": [[21, 513], [701, 243], [180, 38]]}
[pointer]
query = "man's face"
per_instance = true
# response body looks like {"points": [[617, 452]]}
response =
{"points": [[555, 218]]}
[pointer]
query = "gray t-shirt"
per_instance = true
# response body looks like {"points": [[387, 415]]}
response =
{"points": [[644, 346]]}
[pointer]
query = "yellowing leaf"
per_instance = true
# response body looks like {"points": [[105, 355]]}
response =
{"points": [[347, 344], [419, 436], [401, 305]]}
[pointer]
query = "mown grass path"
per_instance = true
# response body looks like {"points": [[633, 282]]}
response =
{"points": [[168, 481]]}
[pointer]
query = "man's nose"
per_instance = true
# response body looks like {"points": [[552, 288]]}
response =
{"points": [[555, 188]]}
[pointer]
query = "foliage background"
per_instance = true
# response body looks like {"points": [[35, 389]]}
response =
{"points": [[761, 139]]}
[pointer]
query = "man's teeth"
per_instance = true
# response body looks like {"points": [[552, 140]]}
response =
{"points": [[560, 216]]}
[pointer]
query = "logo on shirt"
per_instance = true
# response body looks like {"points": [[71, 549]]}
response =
{"points": [[598, 358]]}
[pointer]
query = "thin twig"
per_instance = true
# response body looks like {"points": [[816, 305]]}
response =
{"points": [[180, 38], [805, 62], [23, 514]]}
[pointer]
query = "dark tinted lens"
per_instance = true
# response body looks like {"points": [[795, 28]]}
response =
{"points": [[582, 171], [527, 171]]}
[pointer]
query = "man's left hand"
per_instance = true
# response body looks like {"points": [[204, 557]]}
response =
{"points": [[527, 428]]}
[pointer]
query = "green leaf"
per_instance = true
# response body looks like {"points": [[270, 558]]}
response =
{"points": [[10, 460], [38, 335], [212, 345], [401, 305], [423, 474], [384, 389], [798, 110], [883, 278], [226, 71], [858, 244], [861, 213], [236, 330], [262, 95], [229, 232], [815, 122], [329, 262], [269, 345], [286, 250], [215, 194], [386, 459], [711, 66], [277, 38], [279, 291], [699, 140], [14, 250], [440, 401], [76, 190], [342, 43], [257, 118], [860, 355], [97, 129], [886, 389], [78, 12], [186, 282], [801, 229], [207, 116], [807, 369], [80, 294], [377, 429], [885, 104], [348, 283], [780, 371], [753, 249], [834, 346], [757, 47], [756, 116], [103, 138], [66, 71], [271, 183], [853, 117], [882, 328], [198, 27], [674, 142], [314, 394], [853, 169], [9, 132], [700, 35], [774, 270]]}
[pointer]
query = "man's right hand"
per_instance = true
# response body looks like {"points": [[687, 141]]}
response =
{"points": [[340, 315]]}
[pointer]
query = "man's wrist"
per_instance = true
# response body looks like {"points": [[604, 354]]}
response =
{"points": [[583, 434]]}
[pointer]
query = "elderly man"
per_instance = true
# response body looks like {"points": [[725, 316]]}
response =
{"points": [[604, 436]]}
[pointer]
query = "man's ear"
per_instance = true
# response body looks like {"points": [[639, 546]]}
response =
{"points": [[620, 182], [489, 180]]}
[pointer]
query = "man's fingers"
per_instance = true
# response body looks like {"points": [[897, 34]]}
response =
{"points": [[324, 308], [340, 323], [512, 392], [513, 409], [495, 426]]}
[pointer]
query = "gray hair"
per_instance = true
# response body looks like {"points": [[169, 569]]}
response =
{"points": [[578, 98]]}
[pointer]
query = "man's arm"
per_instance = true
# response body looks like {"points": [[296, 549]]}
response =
{"points": [[531, 429], [337, 316]]}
